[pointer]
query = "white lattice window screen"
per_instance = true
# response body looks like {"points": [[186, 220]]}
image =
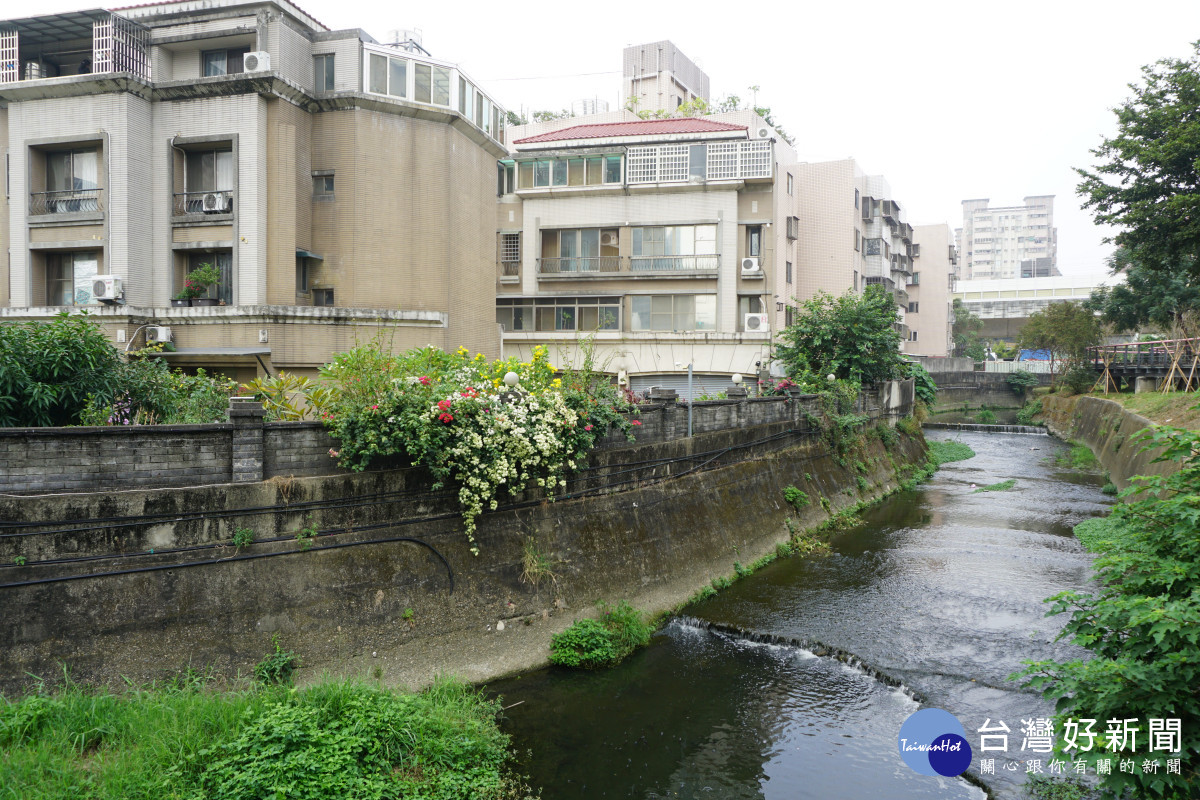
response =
{"points": [[673, 162], [510, 247], [10, 64], [120, 45], [755, 159], [643, 165], [102, 60], [722, 161]]}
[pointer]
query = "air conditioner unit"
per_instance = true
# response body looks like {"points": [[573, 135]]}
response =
{"points": [[215, 203], [257, 61], [158, 333], [751, 266], [763, 133], [757, 322], [107, 288], [608, 239]]}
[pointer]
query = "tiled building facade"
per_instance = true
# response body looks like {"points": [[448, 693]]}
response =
{"points": [[339, 185]]}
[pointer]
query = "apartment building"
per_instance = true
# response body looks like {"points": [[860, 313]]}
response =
{"points": [[342, 187], [851, 233], [1009, 242], [1005, 306], [930, 314], [666, 242], [659, 77]]}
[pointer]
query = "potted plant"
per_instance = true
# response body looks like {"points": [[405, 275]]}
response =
{"points": [[196, 283]]}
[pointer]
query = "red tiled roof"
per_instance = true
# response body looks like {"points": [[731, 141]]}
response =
{"points": [[642, 127]]}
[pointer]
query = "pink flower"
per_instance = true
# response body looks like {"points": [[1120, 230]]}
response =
{"points": [[333, 453], [587, 427], [423, 380], [374, 408], [636, 422]]}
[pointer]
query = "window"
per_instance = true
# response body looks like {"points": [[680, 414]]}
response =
{"points": [[854, 283], [69, 278], [915, 280], [223, 62], [581, 250], [579, 171], [323, 73], [674, 312], [301, 273], [789, 272], [748, 304], [510, 252], [432, 85], [666, 247], [912, 336], [857, 198], [857, 240], [322, 186], [612, 169], [223, 261], [912, 308], [506, 178], [789, 184], [754, 241], [464, 96], [322, 297], [72, 183], [698, 161], [560, 314], [208, 171]]}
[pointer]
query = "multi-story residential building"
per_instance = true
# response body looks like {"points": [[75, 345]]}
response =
{"points": [[341, 186], [666, 242], [930, 309], [851, 234], [1009, 242], [659, 77]]}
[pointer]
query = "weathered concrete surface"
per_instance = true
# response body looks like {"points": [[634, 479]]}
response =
{"points": [[341, 605], [1109, 430], [961, 395]]}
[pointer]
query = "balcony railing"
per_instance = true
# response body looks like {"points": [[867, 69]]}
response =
{"points": [[674, 263], [66, 202], [510, 269], [217, 202], [556, 266]]}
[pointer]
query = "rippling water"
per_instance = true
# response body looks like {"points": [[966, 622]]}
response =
{"points": [[939, 589]]}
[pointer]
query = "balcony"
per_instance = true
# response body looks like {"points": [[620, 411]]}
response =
{"points": [[70, 44], [574, 264], [715, 161], [215, 202], [705, 263], [66, 202]]}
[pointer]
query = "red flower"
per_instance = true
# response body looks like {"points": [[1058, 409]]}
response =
{"points": [[423, 380], [446, 418], [636, 422], [444, 405], [587, 427]]}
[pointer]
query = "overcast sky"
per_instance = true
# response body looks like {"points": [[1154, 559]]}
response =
{"points": [[947, 100]]}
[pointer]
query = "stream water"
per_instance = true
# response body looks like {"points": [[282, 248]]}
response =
{"points": [[794, 682]]}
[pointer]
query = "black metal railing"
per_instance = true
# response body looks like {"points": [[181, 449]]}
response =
{"points": [[215, 202], [66, 202]]}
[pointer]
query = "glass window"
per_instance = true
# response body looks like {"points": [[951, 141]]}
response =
{"points": [[223, 62], [377, 80], [541, 173], [423, 91], [209, 171], [441, 86], [790, 184], [754, 241], [322, 185], [398, 77], [525, 174], [223, 261], [789, 272], [678, 312], [575, 172], [856, 198], [560, 172], [612, 169], [478, 110], [464, 96], [301, 274], [323, 73], [749, 304], [72, 170], [698, 161], [69, 278], [595, 171]]}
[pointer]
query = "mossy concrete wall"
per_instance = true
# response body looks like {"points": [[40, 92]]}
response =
{"points": [[962, 395], [676, 515], [1109, 430]]}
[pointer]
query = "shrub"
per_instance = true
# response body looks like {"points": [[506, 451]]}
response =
{"points": [[987, 417], [1079, 379], [1020, 380], [797, 498], [595, 643], [1025, 416], [278, 667], [926, 389], [1140, 626]]}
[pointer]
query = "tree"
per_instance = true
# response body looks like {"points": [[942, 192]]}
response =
{"points": [[965, 332], [514, 119], [1152, 295], [1148, 180], [853, 337], [1066, 329]]}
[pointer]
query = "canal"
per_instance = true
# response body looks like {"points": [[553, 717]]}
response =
{"points": [[794, 682]]}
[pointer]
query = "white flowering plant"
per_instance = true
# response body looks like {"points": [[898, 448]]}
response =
{"points": [[453, 415]]}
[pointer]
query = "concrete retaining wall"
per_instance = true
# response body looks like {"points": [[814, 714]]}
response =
{"points": [[1109, 430], [138, 584]]}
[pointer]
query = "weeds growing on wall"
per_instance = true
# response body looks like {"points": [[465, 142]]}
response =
{"points": [[1028, 412], [597, 643]]}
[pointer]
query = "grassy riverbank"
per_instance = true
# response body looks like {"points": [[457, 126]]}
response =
{"points": [[184, 740]]}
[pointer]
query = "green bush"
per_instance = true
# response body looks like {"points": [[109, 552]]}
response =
{"points": [[1080, 378], [926, 389], [1021, 380], [278, 667], [605, 642], [1140, 626], [987, 417], [1027, 412], [797, 498]]}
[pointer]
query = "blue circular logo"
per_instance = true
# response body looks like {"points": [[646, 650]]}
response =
{"points": [[933, 742]]}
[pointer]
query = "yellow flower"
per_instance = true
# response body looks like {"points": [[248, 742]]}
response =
{"points": [[557, 382]]}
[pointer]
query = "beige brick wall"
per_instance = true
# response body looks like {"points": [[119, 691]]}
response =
{"points": [[931, 321], [825, 256]]}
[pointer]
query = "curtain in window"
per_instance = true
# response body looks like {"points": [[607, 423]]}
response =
{"points": [[85, 169]]}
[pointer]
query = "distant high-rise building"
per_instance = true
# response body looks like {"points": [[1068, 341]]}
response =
{"points": [[658, 77], [1008, 242], [589, 105]]}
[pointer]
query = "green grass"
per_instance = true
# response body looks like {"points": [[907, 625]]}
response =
{"points": [[1103, 534], [1002, 486], [945, 452], [186, 741], [1078, 457]]}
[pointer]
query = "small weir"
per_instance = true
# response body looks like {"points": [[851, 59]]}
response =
{"points": [[794, 682], [976, 427]]}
